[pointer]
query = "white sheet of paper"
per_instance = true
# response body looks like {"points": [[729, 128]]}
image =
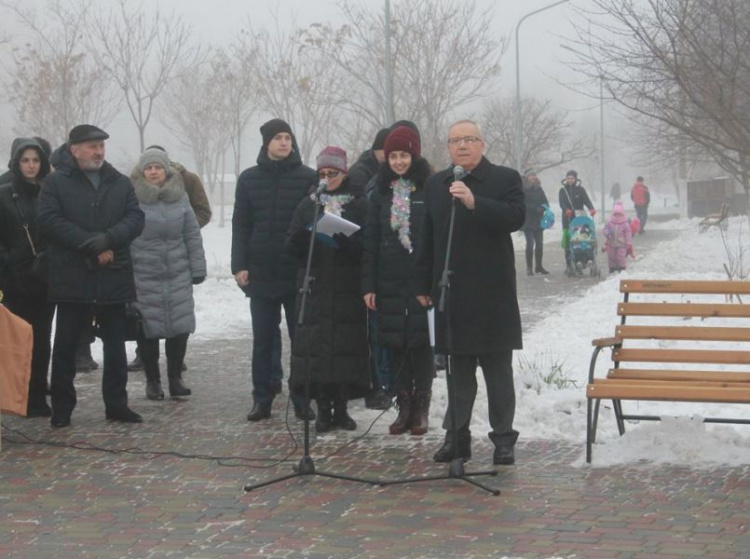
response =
{"points": [[431, 325], [329, 224]]}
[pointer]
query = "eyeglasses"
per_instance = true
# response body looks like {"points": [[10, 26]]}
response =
{"points": [[328, 174], [469, 140]]}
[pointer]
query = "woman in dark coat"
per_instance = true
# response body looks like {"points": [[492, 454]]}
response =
{"points": [[394, 218], [168, 259], [25, 292], [330, 348], [535, 199]]}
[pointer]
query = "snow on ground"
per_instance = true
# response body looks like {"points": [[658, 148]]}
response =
{"points": [[562, 339]]}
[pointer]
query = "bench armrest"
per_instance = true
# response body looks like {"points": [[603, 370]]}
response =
{"points": [[606, 342]]}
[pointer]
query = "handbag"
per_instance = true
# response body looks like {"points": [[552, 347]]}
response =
{"points": [[548, 217], [133, 323]]}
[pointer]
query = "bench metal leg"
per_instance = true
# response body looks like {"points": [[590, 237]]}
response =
{"points": [[592, 420], [617, 406]]}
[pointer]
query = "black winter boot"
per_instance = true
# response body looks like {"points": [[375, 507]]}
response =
{"points": [[324, 421], [154, 391], [446, 452], [340, 415]]}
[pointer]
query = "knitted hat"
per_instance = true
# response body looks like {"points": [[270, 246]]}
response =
{"points": [[273, 127], [380, 138], [154, 156], [403, 138], [86, 133], [529, 172], [408, 124], [332, 157], [571, 173], [617, 207]]}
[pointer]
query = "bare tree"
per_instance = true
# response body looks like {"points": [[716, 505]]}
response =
{"points": [[549, 140], [142, 51], [445, 56], [53, 83], [294, 83], [682, 63], [199, 119]]}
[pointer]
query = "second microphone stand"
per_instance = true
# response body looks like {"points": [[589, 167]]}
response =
{"points": [[306, 465], [456, 469]]}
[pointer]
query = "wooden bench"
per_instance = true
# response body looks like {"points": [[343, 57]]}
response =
{"points": [[715, 220], [679, 340]]}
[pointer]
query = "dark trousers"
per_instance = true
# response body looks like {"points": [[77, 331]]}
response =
{"points": [[266, 317], [501, 395], [72, 319], [534, 240], [641, 213], [381, 361], [278, 370], [39, 314], [174, 348], [415, 368]]}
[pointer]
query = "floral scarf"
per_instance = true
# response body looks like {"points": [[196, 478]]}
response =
{"points": [[401, 211], [333, 204]]}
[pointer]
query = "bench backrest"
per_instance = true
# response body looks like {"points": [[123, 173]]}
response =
{"points": [[683, 324]]}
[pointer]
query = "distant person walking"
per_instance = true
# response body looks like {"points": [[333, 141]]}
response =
{"points": [[618, 239], [535, 199], [641, 198], [572, 198], [615, 192]]}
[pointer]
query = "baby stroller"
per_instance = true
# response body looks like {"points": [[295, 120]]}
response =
{"points": [[583, 247]]}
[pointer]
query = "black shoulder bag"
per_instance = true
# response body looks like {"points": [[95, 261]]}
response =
{"points": [[39, 268]]}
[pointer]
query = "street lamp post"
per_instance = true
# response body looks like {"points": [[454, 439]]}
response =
{"points": [[389, 116], [601, 143], [519, 120]]}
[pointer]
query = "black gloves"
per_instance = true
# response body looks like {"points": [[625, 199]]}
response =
{"points": [[95, 245], [199, 280]]}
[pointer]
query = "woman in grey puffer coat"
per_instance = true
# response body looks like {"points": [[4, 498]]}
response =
{"points": [[168, 259]]}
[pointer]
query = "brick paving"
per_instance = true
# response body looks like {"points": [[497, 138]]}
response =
{"points": [[56, 500]]}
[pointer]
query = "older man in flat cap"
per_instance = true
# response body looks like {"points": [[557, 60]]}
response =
{"points": [[91, 215]]}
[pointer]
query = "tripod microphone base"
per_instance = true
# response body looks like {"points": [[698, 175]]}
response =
{"points": [[306, 467]]}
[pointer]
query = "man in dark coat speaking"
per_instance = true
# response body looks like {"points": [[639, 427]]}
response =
{"points": [[90, 214], [482, 302]]}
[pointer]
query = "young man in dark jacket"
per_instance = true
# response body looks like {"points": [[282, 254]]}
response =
{"points": [[264, 203], [90, 214]]}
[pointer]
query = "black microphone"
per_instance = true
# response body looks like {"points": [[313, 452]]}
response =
{"points": [[322, 187], [458, 173]]}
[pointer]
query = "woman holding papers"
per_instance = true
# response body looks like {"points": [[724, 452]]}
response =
{"points": [[330, 348], [394, 218]]}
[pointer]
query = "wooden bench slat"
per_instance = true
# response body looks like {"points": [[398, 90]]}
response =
{"points": [[693, 333], [684, 309], [679, 375], [718, 357], [720, 287], [667, 382], [603, 388]]}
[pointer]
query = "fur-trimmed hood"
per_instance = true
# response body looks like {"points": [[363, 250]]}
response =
{"points": [[418, 172], [147, 193]]}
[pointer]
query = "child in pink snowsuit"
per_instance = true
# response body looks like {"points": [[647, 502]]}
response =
{"points": [[619, 239]]}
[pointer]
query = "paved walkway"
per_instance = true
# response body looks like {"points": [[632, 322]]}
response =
{"points": [[159, 493]]}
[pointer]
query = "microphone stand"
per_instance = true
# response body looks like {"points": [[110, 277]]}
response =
{"points": [[456, 469], [306, 465]]}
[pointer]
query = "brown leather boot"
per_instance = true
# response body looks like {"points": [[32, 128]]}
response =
{"points": [[404, 402], [420, 419]]}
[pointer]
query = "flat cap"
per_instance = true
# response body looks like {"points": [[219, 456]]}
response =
{"points": [[86, 133]]}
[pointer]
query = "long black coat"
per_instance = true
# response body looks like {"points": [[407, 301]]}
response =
{"points": [[483, 300], [71, 211], [388, 268], [335, 319], [535, 198], [16, 254], [362, 171], [264, 203]]}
